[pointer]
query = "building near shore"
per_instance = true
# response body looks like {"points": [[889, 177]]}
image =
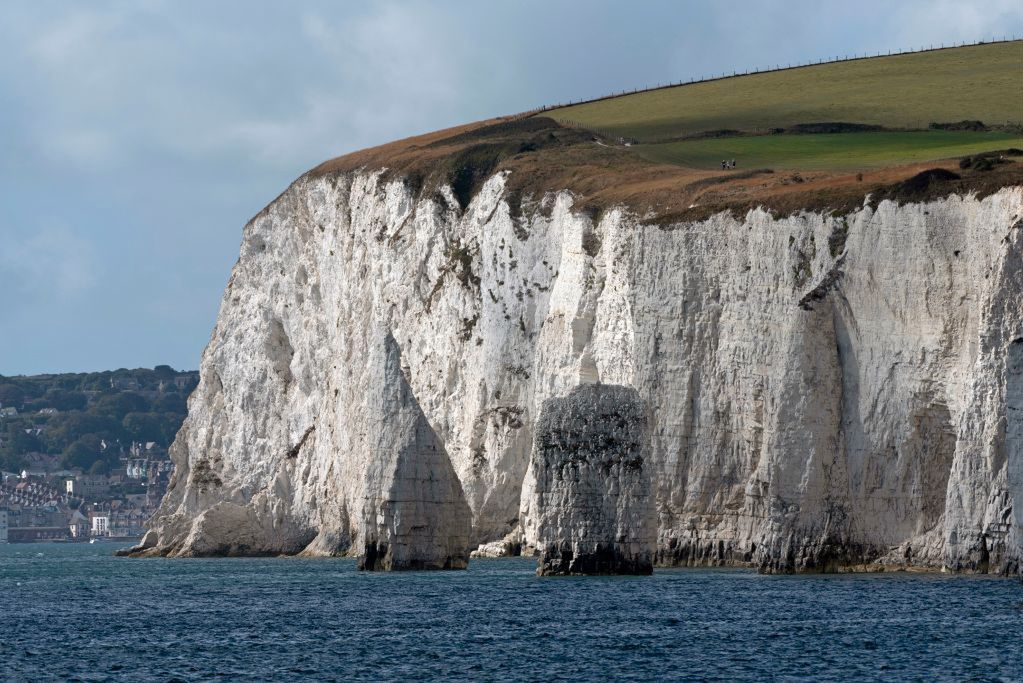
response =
{"points": [[79, 525], [100, 525], [88, 486], [3, 526]]}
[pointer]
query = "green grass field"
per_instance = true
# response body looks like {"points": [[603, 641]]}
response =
{"points": [[839, 151], [905, 91], [981, 82]]}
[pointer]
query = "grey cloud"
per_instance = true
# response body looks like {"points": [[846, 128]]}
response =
{"points": [[138, 137]]}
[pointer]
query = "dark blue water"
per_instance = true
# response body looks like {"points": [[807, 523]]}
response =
{"points": [[76, 612]]}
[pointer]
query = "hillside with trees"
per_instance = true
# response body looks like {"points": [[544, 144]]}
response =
{"points": [[88, 421]]}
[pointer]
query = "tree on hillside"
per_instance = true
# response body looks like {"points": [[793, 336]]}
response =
{"points": [[144, 427], [32, 390], [120, 404], [164, 372], [96, 381], [65, 428], [11, 395], [65, 400], [170, 423], [99, 467], [22, 443], [66, 382], [10, 462], [83, 452], [171, 402]]}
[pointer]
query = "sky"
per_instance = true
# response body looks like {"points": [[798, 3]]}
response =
{"points": [[137, 138]]}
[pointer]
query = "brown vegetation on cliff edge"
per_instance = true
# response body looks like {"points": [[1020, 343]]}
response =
{"points": [[545, 156]]}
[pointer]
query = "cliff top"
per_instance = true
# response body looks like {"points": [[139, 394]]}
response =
{"points": [[902, 91], [908, 127]]}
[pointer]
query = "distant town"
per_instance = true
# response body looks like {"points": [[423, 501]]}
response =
{"points": [[83, 457]]}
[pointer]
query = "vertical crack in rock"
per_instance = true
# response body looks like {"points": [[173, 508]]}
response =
{"points": [[592, 497], [415, 515]]}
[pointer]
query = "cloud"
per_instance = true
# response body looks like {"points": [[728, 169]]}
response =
{"points": [[58, 43], [53, 264], [144, 133], [387, 78], [951, 21], [107, 83]]}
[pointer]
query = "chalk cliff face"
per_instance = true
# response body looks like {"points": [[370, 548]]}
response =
{"points": [[821, 391], [415, 516]]}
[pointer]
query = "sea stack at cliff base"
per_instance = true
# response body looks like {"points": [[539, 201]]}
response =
{"points": [[594, 513]]}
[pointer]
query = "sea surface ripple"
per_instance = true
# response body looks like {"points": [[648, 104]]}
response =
{"points": [[75, 612]]}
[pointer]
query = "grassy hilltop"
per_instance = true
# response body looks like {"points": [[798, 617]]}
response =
{"points": [[830, 151], [699, 124], [906, 127], [901, 91]]}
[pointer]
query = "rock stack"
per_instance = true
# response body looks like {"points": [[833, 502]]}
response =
{"points": [[594, 511]]}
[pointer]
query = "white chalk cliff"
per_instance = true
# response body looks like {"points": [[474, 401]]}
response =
{"points": [[822, 391]]}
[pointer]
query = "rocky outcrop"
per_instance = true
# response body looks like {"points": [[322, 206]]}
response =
{"points": [[509, 546], [823, 391], [591, 510]]}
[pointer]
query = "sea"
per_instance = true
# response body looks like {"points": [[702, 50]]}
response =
{"points": [[73, 612]]}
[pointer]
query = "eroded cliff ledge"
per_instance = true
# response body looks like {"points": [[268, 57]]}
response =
{"points": [[824, 390]]}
